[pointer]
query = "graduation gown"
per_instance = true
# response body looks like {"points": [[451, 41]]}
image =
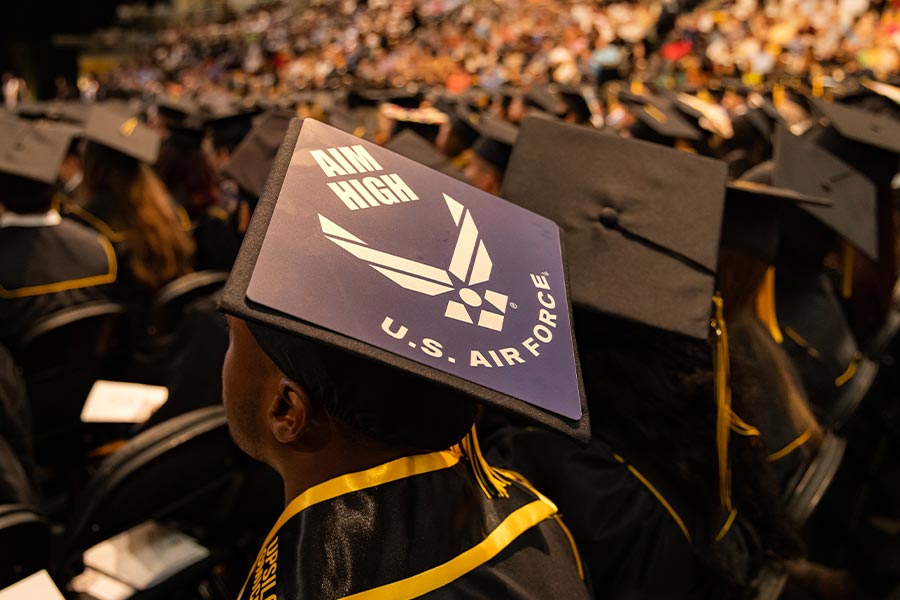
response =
{"points": [[418, 526], [633, 531], [46, 266]]}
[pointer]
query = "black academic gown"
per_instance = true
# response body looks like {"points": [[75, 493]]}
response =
{"points": [[633, 531], [419, 526], [48, 268]]}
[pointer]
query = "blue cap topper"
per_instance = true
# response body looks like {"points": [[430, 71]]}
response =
{"points": [[379, 248]]}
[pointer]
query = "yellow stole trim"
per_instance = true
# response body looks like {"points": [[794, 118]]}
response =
{"points": [[793, 445], [401, 468], [512, 527], [97, 223], [70, 284]]}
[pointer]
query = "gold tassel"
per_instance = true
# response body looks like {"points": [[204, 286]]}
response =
{"points": [[847, 272], [493, 482], [726, 419], [765, 306], [778, 96]]}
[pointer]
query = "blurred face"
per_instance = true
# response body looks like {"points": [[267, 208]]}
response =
{"points": [[482, 175], [249, 381]]}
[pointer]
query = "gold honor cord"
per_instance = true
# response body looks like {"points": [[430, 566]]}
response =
{"points": [[793, 445], [575, 554], [765, 306], [662, 500], [726, 419], [493, 482]]}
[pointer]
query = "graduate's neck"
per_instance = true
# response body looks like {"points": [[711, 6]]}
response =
{"points": [[302, 471]]}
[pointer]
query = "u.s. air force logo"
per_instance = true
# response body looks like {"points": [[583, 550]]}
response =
{"points": [[384, 251], [470, 266]]}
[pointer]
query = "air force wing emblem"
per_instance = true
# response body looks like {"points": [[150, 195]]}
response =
{"points": [[470, 266]]}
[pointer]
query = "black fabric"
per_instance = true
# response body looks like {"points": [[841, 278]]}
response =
{"points": [[32, 256], [15, 413], [825, 348], [630, 544], [15, 486], [806, 168], [642, 229], [373, 537], [495, 141]]}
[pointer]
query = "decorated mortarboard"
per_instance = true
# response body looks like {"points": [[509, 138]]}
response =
{"points": [[424, 121], [807, 168], [410, 144], [32, 150], [495, 142], [119, 131], [366, 251], [253, 158], [642, 221]]}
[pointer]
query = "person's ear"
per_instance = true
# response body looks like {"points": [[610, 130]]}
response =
{"points": [[290, 412]]}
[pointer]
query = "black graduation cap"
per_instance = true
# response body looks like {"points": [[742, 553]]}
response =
{"points": [[464, 125], [177, 108], [418, 281], [123, 133], [346, 120], [65, 111], [252, 159], [496, 140], [862, 126], [546, 99], [230, 128], [407, 98], [658, 118], [806, 168], [576, 102], [410, 144], [642, 221], [32, 150], [752, 216]]}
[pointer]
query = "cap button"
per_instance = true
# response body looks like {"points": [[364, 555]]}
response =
{"points": [[609, 216]]}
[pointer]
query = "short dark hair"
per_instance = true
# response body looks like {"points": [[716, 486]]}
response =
{"points": [[385, 403], [25, 196]]}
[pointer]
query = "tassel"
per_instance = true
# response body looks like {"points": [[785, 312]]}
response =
{"points": [[726, 419], [637, 87], [847, 272], [765, 306], [778, 96], [493, 482]]}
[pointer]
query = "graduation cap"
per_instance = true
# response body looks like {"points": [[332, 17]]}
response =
{"points": [[410, 144], [407, 98], [65, 111], [708, 115], [752, 216], [230, 128], [424, 121], [253, 158], [123, 133], [32, 150], [345, 120], [177, 108], [642, 221], [807, 168], [578, 101], [545, 99], [370, 254], [658, 119], [495, 142], [862, 126]]}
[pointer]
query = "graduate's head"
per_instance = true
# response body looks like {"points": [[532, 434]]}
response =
{"points": [[25, 196], [285, 394], [30, 157]]}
